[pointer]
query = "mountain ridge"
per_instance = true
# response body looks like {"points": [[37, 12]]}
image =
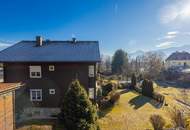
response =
{"points": [[166, 51]]}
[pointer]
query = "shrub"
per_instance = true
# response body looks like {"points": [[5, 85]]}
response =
{"points": [[77, 111], [107, 88], [133, 80], [158, 97], [140, 77], [114, 97], [147, 88], [109, 100], [177, 118], [157, 122], [104, 103], [99, 93], [138, 89]]}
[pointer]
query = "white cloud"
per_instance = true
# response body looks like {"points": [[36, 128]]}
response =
{"points": [[176, 12], [164, 44], [169, 35], [173, 33], [4, 44]]}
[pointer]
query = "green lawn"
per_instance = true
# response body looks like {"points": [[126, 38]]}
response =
{"points": [[132, 113]]}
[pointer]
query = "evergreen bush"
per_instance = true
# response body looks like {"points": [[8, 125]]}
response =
{"points": [[133, 80], [77, 111], [107, 88], [99, 93], [147, 88]]}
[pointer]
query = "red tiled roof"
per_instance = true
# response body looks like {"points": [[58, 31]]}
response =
{"points": [[8, 86]]}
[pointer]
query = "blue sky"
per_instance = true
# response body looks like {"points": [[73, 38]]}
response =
{"points": [[128, 24]]}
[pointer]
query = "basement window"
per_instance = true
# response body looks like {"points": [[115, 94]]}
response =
{"points": [[36, 94], [35, 72], [51, 68], [52, 91]]}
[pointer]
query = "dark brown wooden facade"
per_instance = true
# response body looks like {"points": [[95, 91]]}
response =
{"points": [[59, 79]]}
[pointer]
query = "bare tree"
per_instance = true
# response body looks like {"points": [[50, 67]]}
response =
{"points": [[105, 63], [152, 63]]}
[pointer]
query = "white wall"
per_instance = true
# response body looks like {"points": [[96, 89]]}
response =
{"points": [[175, 63]]}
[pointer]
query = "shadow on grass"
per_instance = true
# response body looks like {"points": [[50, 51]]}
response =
{"points": [[177, 84], [140, 100], [104, 112]]}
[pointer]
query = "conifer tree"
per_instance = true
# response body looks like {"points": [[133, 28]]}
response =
{"points": [[77, 111]]}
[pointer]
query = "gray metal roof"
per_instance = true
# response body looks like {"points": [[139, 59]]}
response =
{"points": [[179, 56], [52, 51]]}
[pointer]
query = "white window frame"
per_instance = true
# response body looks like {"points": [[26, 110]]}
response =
{"points": [[35, 90], [35, 70], [52, 91], [91, 70], [91, 93], [51, 68]]}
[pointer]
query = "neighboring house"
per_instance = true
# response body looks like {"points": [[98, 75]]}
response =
{"points": [[178, 59], [7, 105], [47, 68]]}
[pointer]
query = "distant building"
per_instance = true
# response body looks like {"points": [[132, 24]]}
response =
{"points": [[7, 105], [178, 59]]}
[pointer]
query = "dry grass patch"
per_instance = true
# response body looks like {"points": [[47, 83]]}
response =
{"points": [[40, 125], [132, 113]]}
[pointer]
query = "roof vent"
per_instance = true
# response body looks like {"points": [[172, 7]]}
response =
{"points": [[39, 41]]}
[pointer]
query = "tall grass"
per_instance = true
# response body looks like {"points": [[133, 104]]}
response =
{"points": [[115, 123]]}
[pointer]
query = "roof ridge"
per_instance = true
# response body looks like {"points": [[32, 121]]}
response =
{"points": [[11, 46], [80, 51], [179, 56]]}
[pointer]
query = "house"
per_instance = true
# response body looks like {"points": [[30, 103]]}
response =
{"points": [[46, 68], [7, 107], [178, 59]]}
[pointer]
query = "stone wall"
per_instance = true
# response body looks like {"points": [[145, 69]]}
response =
{"points": [[37, 113]]}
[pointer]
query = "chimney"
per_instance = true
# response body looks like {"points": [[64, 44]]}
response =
{"points": [[39, 41], [73, 40]]}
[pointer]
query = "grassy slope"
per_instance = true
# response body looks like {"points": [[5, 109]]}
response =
{"points": [[133, 112]]}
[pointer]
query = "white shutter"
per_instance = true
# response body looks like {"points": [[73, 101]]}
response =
{"points": [[91, 93], [35, 72], [91, 71]]}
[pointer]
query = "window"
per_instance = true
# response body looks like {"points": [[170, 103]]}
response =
{"points": [[35, 72], [36, 94], [91, 71], [52, 91], [91, 93], [51, 68]]}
